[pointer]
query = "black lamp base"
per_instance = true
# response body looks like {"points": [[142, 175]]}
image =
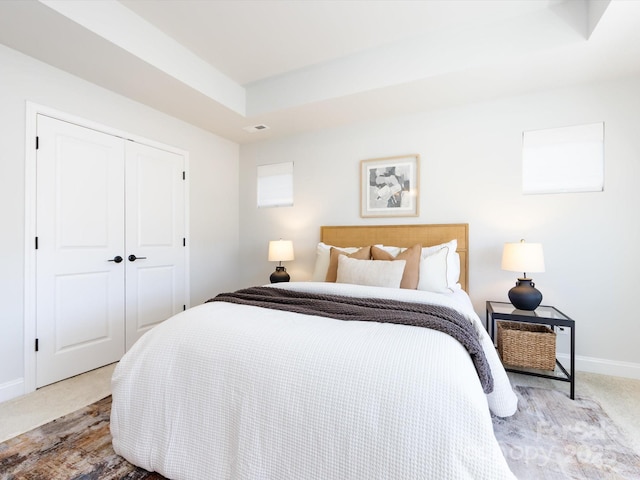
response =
{"points": [[524, 296], [280, 275]]}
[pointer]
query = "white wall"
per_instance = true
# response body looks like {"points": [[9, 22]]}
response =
{"points": [[213, 211], [471, 172]]}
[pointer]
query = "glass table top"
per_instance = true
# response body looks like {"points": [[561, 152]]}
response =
{"points": [[543, 311]]}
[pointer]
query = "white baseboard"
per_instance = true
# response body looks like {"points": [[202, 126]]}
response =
{"points": [[602, 366], [11, 389]]}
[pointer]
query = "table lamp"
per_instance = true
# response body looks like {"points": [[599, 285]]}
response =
{"points": [[523, 257], [280, 251]]}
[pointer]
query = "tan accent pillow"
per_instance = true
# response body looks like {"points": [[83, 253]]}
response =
{"points": [[323, 254], [411, 270], [332, 272]]}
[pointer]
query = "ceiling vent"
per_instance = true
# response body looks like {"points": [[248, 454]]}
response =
{"points": [[256, 128]]}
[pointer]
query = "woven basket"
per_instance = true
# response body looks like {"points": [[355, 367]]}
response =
{"points": [[527, 345]]}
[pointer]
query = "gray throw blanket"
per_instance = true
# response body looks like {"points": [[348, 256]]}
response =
{"points": [[381, 310]]}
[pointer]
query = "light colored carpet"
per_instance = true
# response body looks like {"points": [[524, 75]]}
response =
{"points": [[21, 414]]}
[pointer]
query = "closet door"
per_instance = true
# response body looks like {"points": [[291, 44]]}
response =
{"points": [[80, 300], [155, 238], [111, 256]]}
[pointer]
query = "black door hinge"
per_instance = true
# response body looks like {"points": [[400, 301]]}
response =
{"points": [[37, 345], [184, 307], [37, 143], [184, 175], [184, 242], [36, 243]]}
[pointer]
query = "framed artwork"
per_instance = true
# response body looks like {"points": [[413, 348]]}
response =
{"points": [[389, 186]]}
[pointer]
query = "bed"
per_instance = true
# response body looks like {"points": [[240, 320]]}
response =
{"points": [[239, 389]]}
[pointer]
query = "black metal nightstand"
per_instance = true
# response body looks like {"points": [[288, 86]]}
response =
{"points": [[543, 315]]}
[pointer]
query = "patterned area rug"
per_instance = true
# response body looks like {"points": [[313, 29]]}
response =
{"points": [[550, 437], [75, 446], [554, 437]]}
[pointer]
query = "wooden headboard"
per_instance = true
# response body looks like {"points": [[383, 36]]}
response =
{"points": [[403, 236]]}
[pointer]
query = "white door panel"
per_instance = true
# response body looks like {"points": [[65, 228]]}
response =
{"points": [[155, 295], [81, 310], [100, 197], [155, 230], [79, 210], [155, 177]]}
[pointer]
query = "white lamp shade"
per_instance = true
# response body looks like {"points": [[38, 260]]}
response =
{"points": [[280, 250], [523, 257]]}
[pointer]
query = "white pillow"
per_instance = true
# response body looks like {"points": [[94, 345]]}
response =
{"points": [[392, 250], [375, 273], [433, 272], [453, 245], [323, 254], [440, 268], [323, 259]]}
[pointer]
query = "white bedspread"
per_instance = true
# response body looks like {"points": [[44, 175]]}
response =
{"points": [[225, 391]]}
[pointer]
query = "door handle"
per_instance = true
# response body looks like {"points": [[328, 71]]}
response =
{"points": [[116, 259], [133, 258]]}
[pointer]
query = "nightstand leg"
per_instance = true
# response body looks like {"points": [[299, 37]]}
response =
{"points": [[573, 363], [489, 321]]}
